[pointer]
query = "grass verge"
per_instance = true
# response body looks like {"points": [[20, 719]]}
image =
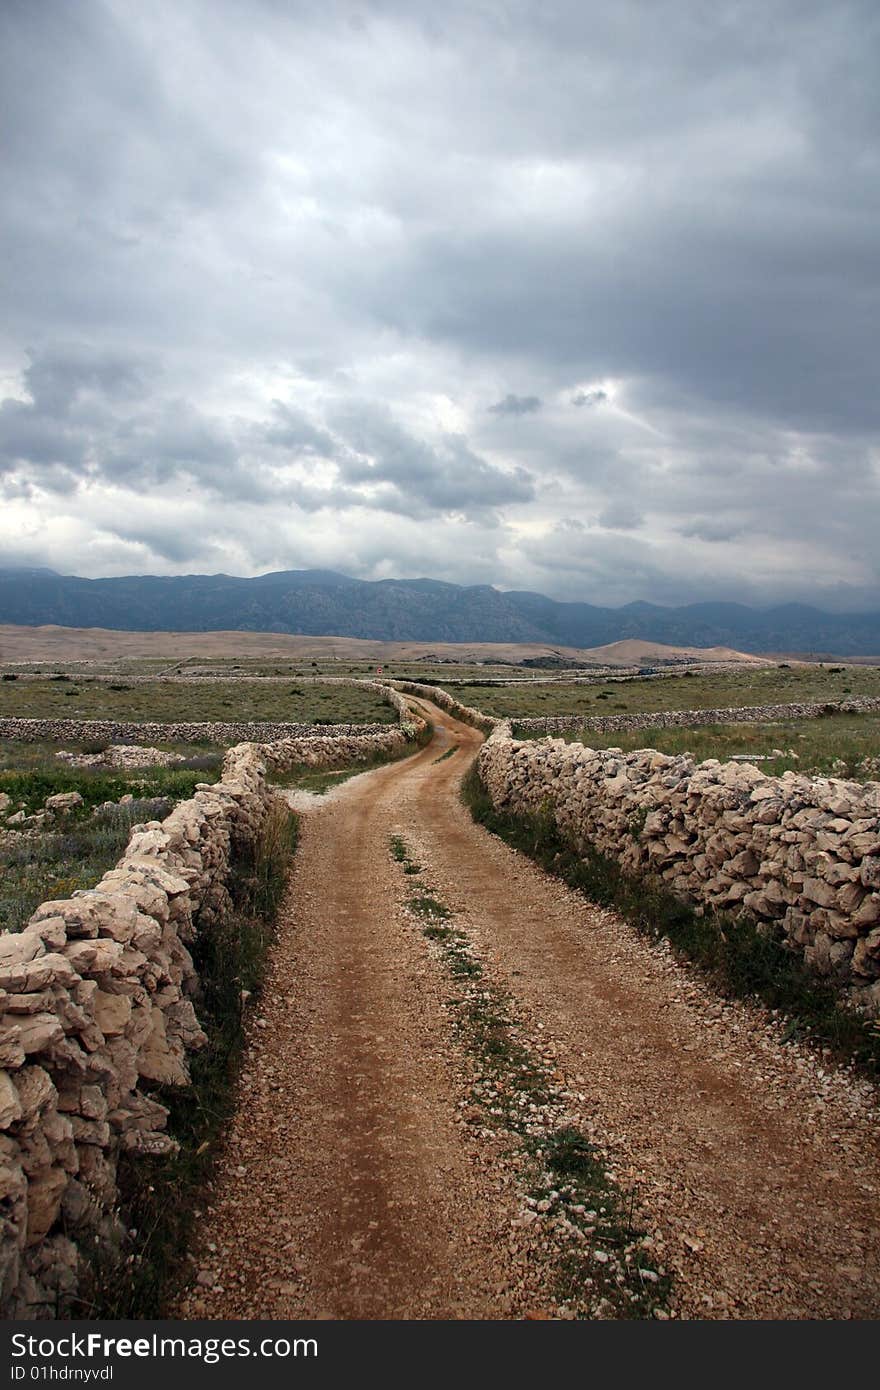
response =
{"points": [[742, 960], [159, 1196], [599, 1260]]}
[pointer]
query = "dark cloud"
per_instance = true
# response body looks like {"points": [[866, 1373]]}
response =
{"points": [[621, 515], [446, 477], [52, 443], [266, 263], [706, 529], [291, 431], [516, 405]]}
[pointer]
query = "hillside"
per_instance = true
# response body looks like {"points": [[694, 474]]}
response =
{"points": [[320, 602], [95, 644]]}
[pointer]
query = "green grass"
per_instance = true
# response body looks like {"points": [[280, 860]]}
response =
{"points": [[29, 789], [72, 853], [160, 1196], [79, 697], [22, 755], [426, 905], [430, 672], [632, 695], [448, 754], [836, 745], [741, 959], [317, 780], [400, 852], [320, 779], [572, 1176]]}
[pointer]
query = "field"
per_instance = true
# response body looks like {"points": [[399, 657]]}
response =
{"points": [[55, 864], [166, 701], [841, 745], [238, 668], [29, 772], [75, 851], [748, 686]]}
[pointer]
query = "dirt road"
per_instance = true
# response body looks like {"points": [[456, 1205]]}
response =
{"points": [[351, 1187]]}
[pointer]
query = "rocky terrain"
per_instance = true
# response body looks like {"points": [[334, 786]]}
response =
{"points": [[319, 602]]}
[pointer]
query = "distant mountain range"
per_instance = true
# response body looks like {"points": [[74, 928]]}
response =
{"points": [[322, 603]]}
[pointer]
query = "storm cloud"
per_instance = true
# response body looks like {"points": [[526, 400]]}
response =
{"points": [[516, 405], [565, 297]]}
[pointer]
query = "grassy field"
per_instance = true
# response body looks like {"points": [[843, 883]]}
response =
{"points": [[839, 745], [74, 697], [319, 780], [29, 773], [75, 853], [29, 790], [432, 673], [748, 686], [54, 865]]}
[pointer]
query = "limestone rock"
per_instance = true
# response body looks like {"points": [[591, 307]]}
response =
{"points": [[112, 1012], [44, 1203], [156, 1060], [36, 1090], [869, 873], [10, 1105], [62, 802]]}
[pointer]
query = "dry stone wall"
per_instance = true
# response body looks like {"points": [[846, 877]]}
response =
{"points": [[113, 731], [799, 854], [467, 713], [689, 718], [97, 1007]]}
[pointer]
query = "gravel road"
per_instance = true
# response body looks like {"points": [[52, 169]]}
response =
{"points": [[351, 1186]]}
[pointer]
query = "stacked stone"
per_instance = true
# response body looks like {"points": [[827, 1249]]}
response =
{"points": [[801, 855], [689, 718], [333, 752], [467, 713], [123, 755], [96, 1006], [94, 1003], [112, 731]]}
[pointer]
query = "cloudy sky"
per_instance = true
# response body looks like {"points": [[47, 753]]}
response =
{"points": [[564, 296]]}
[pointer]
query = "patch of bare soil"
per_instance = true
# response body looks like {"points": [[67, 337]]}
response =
{"points": [[350, 1186]]}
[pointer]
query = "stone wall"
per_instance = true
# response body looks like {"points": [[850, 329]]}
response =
{"points": [[96, 1008], [689, 718], [467, 713], [327, 751], [115, 731], [799, 854]]}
